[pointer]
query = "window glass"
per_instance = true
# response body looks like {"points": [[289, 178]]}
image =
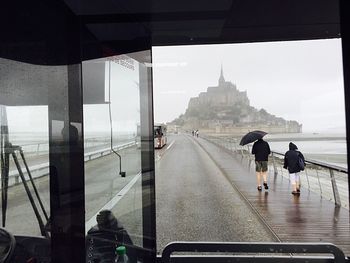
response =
{"points": [[209, 186], [24, 139], [112, 150], [24, 145]]}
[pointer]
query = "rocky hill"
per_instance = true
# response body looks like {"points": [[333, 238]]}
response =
{"points": [[225, 109]]}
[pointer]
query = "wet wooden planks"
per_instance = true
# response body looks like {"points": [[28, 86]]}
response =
{"points": [[304, 218]]}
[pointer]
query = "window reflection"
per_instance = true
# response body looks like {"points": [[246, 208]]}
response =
{"points": [[24, 138], [112, 149], [210, 96]]}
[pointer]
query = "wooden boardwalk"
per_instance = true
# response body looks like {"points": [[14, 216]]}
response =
{"points": [[304, 218]]}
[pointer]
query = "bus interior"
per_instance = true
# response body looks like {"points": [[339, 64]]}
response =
{"points": [[77, 122]]}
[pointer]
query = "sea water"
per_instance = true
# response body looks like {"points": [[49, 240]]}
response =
{"points": [[324, 147], [328, 148]]}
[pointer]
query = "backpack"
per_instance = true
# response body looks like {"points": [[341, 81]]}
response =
{"points": [[301, 163]]}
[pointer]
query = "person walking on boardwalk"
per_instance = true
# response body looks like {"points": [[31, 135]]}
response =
{"points": [[261, 150], [294, 161]]}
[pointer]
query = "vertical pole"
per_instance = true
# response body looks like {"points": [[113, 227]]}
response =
{"points": [[66, 149], [147, 163], [307, 178], [319, 182], [5, 162], [37, 149], [242, 154], [29, 194], [33, 184], [344, 8], [66, 154], [335, 188], [275, 172]]}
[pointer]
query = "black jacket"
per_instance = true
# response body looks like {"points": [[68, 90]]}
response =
{"points": [[261, 149], [291, 159], [102, 240]]}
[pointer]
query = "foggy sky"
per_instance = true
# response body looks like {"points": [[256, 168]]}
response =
{"points": [[125, 108], [296, 80]]}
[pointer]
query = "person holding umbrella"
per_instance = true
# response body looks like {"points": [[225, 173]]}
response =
{"points": [[261, 150]]}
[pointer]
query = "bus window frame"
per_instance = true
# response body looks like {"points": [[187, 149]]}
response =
{"points": [[67, 220]]}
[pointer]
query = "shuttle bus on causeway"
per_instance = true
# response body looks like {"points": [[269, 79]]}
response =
{"points": [[160, 138]]}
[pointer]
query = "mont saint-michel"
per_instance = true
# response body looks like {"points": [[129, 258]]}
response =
{"points": [[223, 109]]}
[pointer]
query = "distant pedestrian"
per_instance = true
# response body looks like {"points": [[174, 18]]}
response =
{"points": [[294, 161], [197, 133], [261, 150]]}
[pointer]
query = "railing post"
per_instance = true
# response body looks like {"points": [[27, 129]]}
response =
{"points": [[16, 179], [319, 183], [249, 163], [335, 188], [307, 178], [281, 168], [37, 149], [275, 172], [248, 153], [242, 154]]}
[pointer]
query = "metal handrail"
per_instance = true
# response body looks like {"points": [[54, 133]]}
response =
{"points": [[331, 169], [244, 151], [319, 163], [252, 247]]}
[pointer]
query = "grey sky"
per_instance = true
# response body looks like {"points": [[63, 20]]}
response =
{"points": [[125, 100], [296, 80], [125, 108], [299, 80]]}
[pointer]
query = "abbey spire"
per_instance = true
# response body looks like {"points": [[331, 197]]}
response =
{"points": [[225, 109], [221, 79]]}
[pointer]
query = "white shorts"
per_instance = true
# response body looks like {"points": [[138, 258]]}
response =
{"points": [[294, 178]]}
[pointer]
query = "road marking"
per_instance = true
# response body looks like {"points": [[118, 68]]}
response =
{"points": [[171, 144], [159, 155], [92, 221]]}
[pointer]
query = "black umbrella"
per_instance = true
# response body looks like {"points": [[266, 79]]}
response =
{"points": [[252, 136]]}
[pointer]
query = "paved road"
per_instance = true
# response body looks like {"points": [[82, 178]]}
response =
{"points": [[102, 183], [195, 201]]}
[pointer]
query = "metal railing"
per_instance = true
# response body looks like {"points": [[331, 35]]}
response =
{"points": [[327, 180], [250, 252], [321, 177], [40, 161], [42, 147]]}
